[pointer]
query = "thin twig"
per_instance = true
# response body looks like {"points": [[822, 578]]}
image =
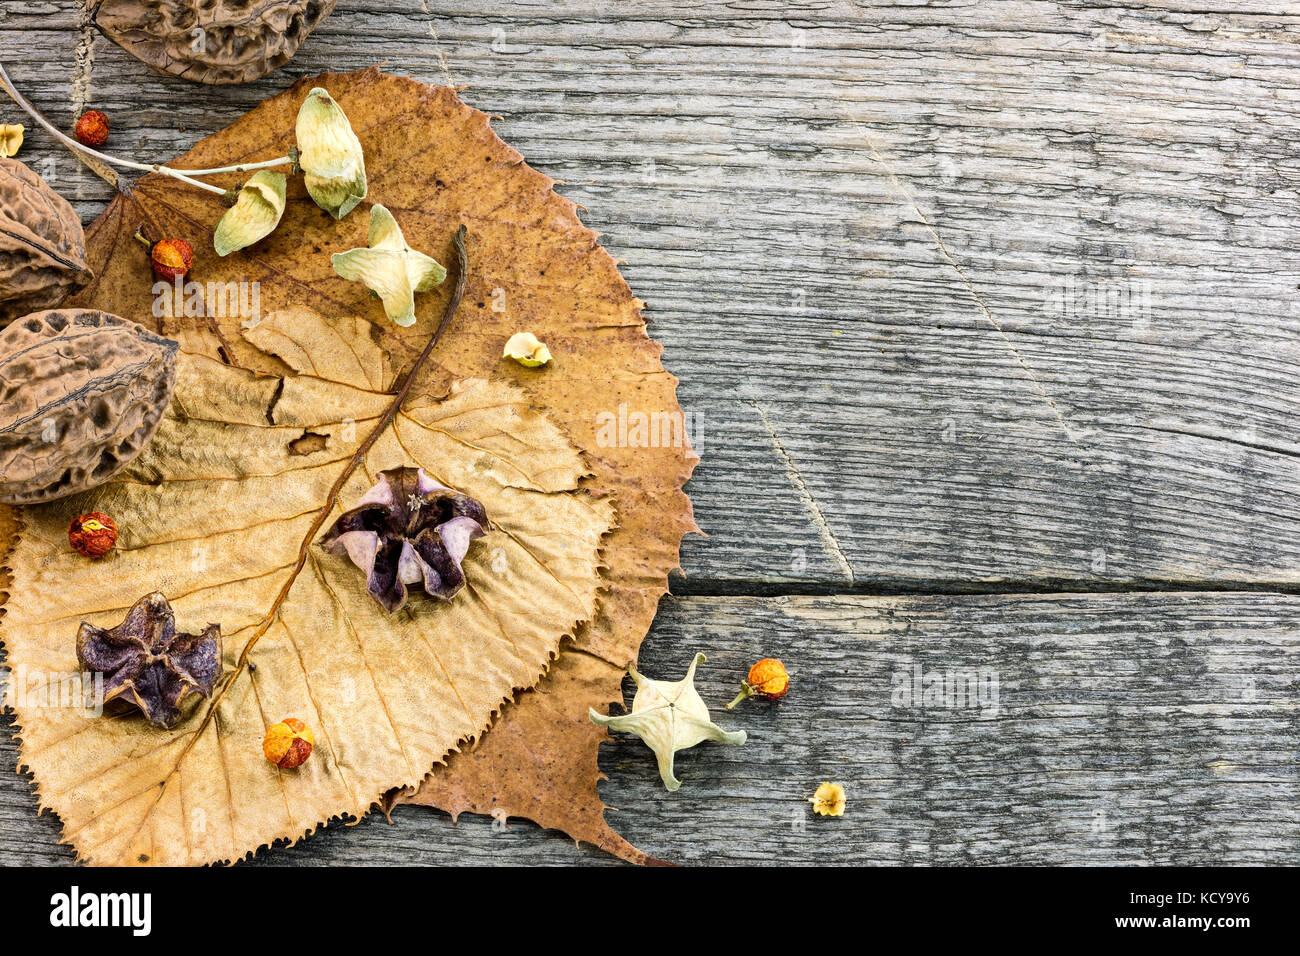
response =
{"points": [[241, 168], [395, 406]]}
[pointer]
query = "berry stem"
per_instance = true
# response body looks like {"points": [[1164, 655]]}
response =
{"points": [[85, 150], [746, 692]]}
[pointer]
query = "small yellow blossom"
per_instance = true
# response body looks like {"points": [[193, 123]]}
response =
{"points": [[829, 800], [11, 138]]}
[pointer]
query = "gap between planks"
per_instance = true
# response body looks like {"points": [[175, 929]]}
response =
{"points": [[683, 587]]}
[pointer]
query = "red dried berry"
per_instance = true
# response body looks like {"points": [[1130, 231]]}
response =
{"points": [[92, 535], [171, 258], [92, 128]]}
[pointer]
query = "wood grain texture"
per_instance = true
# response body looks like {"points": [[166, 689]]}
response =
{"points": [[1138, 728], [965, 297], [1010, 287]]}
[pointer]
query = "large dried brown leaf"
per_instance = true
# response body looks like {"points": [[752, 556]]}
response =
{"points": [[214, 514], [435, 162]]}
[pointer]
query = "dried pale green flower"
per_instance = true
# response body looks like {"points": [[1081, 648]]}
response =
{"points": [[389, 267], [329, 154], [669, 717], [255, 214]]}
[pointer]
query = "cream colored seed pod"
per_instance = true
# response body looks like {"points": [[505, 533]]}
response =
{"points": [[527, 349]]}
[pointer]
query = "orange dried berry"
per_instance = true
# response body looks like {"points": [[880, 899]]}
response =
{"points": [[767, 679], [92, 128], [171, 258], [92, 535], [288, 744]]}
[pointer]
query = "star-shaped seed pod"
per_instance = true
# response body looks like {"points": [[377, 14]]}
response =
{"points": [[389, 267], [145, 663], [669, 717], [329, 154], [408, 529]]}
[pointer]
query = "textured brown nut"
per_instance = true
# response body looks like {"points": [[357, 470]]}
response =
{"points": [[211, 41], [42, 247], [81, 393]]}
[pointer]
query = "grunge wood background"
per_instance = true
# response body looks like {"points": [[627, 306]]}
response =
{"points": [[986, 319]]}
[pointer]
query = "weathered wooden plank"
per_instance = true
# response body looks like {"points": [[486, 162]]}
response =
{"points": [[966, 296], [1137, 728], [961, 296]]}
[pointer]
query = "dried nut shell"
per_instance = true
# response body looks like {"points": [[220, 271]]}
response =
{"points": [[211, 41], [42, 247], [81, 393]]}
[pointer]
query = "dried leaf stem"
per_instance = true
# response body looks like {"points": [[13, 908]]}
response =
{"points": [[395, 406]]}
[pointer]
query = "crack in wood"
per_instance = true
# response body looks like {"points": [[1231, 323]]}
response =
{"points": [[437, 44], [970, 287], [831, 543], [83, 58], [684, 587]]}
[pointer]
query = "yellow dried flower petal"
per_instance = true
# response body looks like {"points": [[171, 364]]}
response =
{"points": [[11, 138], [829, 800], [527, 349], [255, 214], [668, 716]]}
